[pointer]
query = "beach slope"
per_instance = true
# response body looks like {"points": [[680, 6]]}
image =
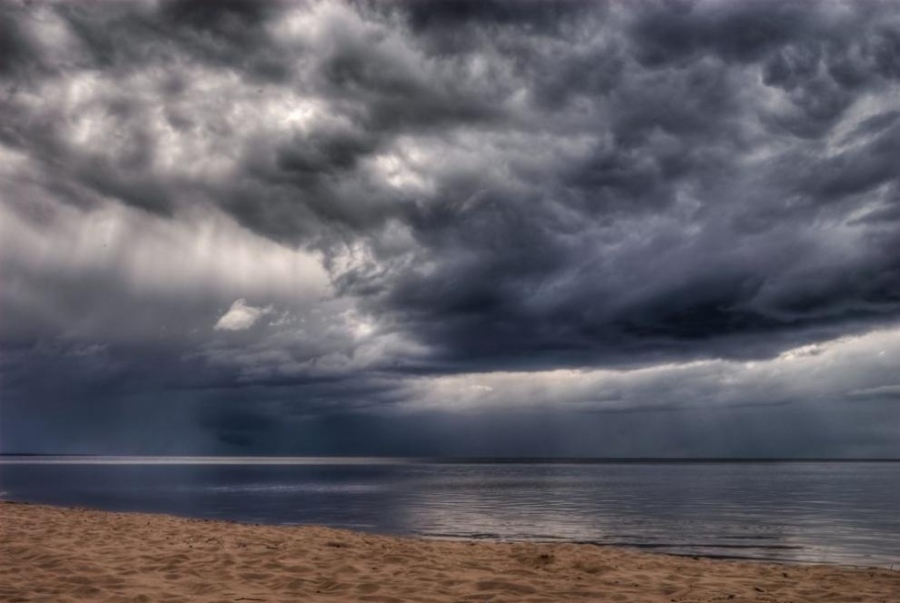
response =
{"points": [[63, 555]]}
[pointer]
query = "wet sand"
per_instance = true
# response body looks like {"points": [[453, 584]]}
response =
{"points": [[62, 555]]}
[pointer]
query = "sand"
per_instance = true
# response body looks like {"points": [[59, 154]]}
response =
{"points": [[60, 555]]}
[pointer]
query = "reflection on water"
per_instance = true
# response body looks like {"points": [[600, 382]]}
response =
{"points": [[821, 512]]}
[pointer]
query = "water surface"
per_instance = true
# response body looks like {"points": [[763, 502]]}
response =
{"points": [[801, 512]]}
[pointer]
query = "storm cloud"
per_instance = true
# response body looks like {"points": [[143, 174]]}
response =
{"points": [[398, 227]]}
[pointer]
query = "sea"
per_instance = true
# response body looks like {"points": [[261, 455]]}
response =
{"points": [[845, 513]]}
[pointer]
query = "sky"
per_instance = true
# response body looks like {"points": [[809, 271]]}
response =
{"points": [[458, 228]]}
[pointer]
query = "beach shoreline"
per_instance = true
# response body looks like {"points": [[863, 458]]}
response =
{"points": [[65, 554]]}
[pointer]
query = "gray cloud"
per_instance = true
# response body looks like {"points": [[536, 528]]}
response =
{"points": [[417, 191]]}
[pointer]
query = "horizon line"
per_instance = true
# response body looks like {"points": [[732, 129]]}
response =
{"points": [[424, 459]]}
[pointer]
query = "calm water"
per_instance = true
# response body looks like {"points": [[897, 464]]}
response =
{"points": [[845, 513]]}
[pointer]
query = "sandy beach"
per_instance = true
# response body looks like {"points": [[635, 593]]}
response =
{"points": [[62, 555]]}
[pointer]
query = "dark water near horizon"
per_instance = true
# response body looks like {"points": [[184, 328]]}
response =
{"points": [[846, 513]]}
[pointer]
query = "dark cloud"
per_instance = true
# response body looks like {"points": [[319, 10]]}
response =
{"points": [[431, 15], [399, 193], [740, 31], [854, 172], [16, 49]]}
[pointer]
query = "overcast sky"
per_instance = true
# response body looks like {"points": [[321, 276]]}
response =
{"points": [[450, 228]]}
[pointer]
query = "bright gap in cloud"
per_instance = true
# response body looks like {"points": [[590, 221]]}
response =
{"points": [[241, 317], [847, 369]]}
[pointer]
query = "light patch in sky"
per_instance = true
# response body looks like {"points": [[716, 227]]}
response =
{"points": [[204, 258], [839, 369], [241, 316]]}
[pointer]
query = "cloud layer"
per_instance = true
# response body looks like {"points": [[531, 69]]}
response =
{"points": [[294, 211]]}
